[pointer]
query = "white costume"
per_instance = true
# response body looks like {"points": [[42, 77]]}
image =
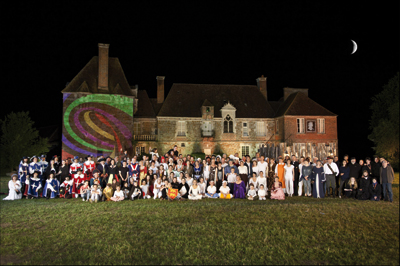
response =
{"points": [[12, 195], [194, 193]]}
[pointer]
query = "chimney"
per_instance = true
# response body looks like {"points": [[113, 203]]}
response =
{"points": [[160, 89], [288, 91], [262, 85], [103, 67]]}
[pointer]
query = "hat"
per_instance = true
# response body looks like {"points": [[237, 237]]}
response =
{"points": [[218, 156], [23, 158], [96, 171], [33, 157], [37, 171], [13, 175], [54, 156], [224, 182], [90, 156], [329, 158], [43, 156], [101, 160], [76, 158]]}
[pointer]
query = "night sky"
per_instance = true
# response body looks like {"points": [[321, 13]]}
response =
{"points": [[297, 44]]}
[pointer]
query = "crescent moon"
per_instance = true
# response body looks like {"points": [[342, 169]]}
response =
{"points": [[354, 47]]}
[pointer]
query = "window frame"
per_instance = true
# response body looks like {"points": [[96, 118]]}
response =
{"points": [[319, 125], [260, 125], [181, 129], [245, 129], [300, 125]]}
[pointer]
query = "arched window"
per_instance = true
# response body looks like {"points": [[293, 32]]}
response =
{"points": [[228, 124]]}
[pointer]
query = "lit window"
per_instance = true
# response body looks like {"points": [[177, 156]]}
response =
{"points": [[260, 129], [321, 125], [181, 128], [137, 128], [300, 125]]}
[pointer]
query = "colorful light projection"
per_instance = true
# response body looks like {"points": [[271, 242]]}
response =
{"points": [[98, 124]]}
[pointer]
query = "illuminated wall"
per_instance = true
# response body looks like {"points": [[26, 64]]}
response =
{"points": [[97, 124]]}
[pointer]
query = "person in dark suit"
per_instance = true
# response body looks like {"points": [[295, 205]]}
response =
{"points": [[103, 168], [295, 163]]}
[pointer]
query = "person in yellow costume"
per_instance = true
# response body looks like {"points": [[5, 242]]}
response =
{"points": [[108, 192], [224, 191], [279, 172]]}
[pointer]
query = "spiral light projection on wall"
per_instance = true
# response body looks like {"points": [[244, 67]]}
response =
{"points": [[98, 124]]}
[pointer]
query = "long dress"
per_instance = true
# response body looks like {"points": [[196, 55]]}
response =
{"points": [[112, 171], [271, 176], [318, 176], [277, 192], [280, 170], [240, 190], [13, 195], [194, 193]]}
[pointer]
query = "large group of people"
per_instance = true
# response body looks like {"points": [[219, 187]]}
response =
{"points": [[173, 176]]}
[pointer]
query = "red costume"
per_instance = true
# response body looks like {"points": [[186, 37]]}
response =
{"points": [[74, 168], [78, 179], [89, 166]]}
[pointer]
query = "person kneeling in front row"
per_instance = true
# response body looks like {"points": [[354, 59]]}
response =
{"points": [[375, 190], [224, 191]]}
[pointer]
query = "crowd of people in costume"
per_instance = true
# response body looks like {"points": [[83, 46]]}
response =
{"points": [[177, 177]]}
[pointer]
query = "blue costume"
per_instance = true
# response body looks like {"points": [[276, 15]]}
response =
{"points": [[197, 173], [318, 176], [35, 167], [51, 183], [34, 184], [23, 172]]}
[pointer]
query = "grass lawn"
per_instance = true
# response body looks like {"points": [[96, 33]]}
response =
{"points": [[294, 231]]}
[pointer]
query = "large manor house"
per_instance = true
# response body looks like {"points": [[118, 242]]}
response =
{"points": [[104, 115]]}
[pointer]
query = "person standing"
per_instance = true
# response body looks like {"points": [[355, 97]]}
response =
{"points": [[344, 177], [355, 169], [386, 179], [89, 166], [289, 177], [295, 164], [23, 173], [280, 172], [331, 171], [306, 171], [318, 178], [376, 168], [243, 172]]}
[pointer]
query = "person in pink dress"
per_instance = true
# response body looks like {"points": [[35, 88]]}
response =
{"points": [[277, 192]]}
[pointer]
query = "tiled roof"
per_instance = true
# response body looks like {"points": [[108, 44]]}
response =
{"points": [[185, 100], [86, 79], [145, 107], [299, 104]]}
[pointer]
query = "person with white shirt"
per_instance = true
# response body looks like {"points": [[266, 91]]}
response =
{"points": [[194, 191], [331, 170], [289, 177], [14, 186], [254, 181], [231, 179], [157, 188], [224, 191], [202, 186], [212, 191], [262, 193], [301, 163], [118, 195], [254, 168], [243, 172], [252, 193], [262, 166], [262, 180], [95, 194]]}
